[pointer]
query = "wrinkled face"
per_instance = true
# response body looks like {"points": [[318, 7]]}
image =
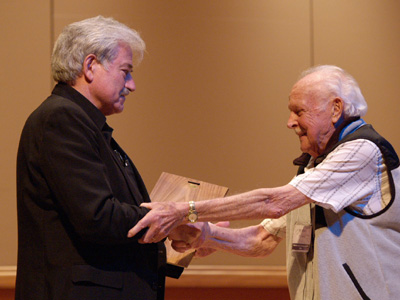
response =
{"points": [[113, 82], [310, 117]]}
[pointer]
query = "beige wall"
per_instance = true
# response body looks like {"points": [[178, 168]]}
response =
{"points": [[211, 99], [363, 37], [24, 80]]}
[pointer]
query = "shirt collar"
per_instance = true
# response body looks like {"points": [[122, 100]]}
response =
{"points": [[66, 91], [350, 128]]}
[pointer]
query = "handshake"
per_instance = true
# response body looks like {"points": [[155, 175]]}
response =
{"points": [[197, 236], [173, 219], [169, 220]]}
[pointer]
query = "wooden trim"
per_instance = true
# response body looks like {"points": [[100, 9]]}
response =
{"points": [[7, 277], [211, 276], [231, 276]]}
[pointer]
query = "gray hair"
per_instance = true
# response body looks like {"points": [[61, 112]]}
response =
{"points": [[339, 83], [99, 36]]}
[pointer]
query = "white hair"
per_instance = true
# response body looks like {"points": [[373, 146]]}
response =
{"points": [[99, 36], [339, 83]]}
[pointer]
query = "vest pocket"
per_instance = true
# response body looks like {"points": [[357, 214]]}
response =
{"points": [[355, 282]]}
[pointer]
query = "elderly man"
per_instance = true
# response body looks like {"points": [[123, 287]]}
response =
{"points": [[78, 192], [339, 215]]}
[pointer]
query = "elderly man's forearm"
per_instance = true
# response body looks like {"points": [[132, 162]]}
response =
{"points": [[259, 203], [252, 241]]}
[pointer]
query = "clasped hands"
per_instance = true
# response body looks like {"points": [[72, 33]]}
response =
{"points": [[194, 236], [189, 236], [167, 219]]}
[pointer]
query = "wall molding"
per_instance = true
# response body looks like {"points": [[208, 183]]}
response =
{"points": [[231, 276], [202, 276], [7, 277]]}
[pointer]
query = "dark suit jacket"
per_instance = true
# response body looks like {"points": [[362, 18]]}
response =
{"points": [[78, 195]]}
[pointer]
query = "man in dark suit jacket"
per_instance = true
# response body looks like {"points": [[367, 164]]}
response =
{"points": [[78, 192]]}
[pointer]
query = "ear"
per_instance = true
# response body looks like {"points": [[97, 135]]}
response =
{"points": [[337, 110], [89, 66]]}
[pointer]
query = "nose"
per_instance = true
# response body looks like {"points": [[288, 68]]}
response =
{"points": [[292, 122], [129, 83]]}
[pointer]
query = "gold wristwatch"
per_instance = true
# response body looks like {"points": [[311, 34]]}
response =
{"points": [[192, 215]]}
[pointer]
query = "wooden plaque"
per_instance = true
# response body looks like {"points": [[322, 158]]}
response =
{"points": [[170, 187]]}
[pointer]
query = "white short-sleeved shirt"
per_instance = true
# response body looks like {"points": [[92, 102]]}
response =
{"points": [[354, 174]]}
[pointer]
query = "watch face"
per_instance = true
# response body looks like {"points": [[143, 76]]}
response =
{"points": [[192, 217]]}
